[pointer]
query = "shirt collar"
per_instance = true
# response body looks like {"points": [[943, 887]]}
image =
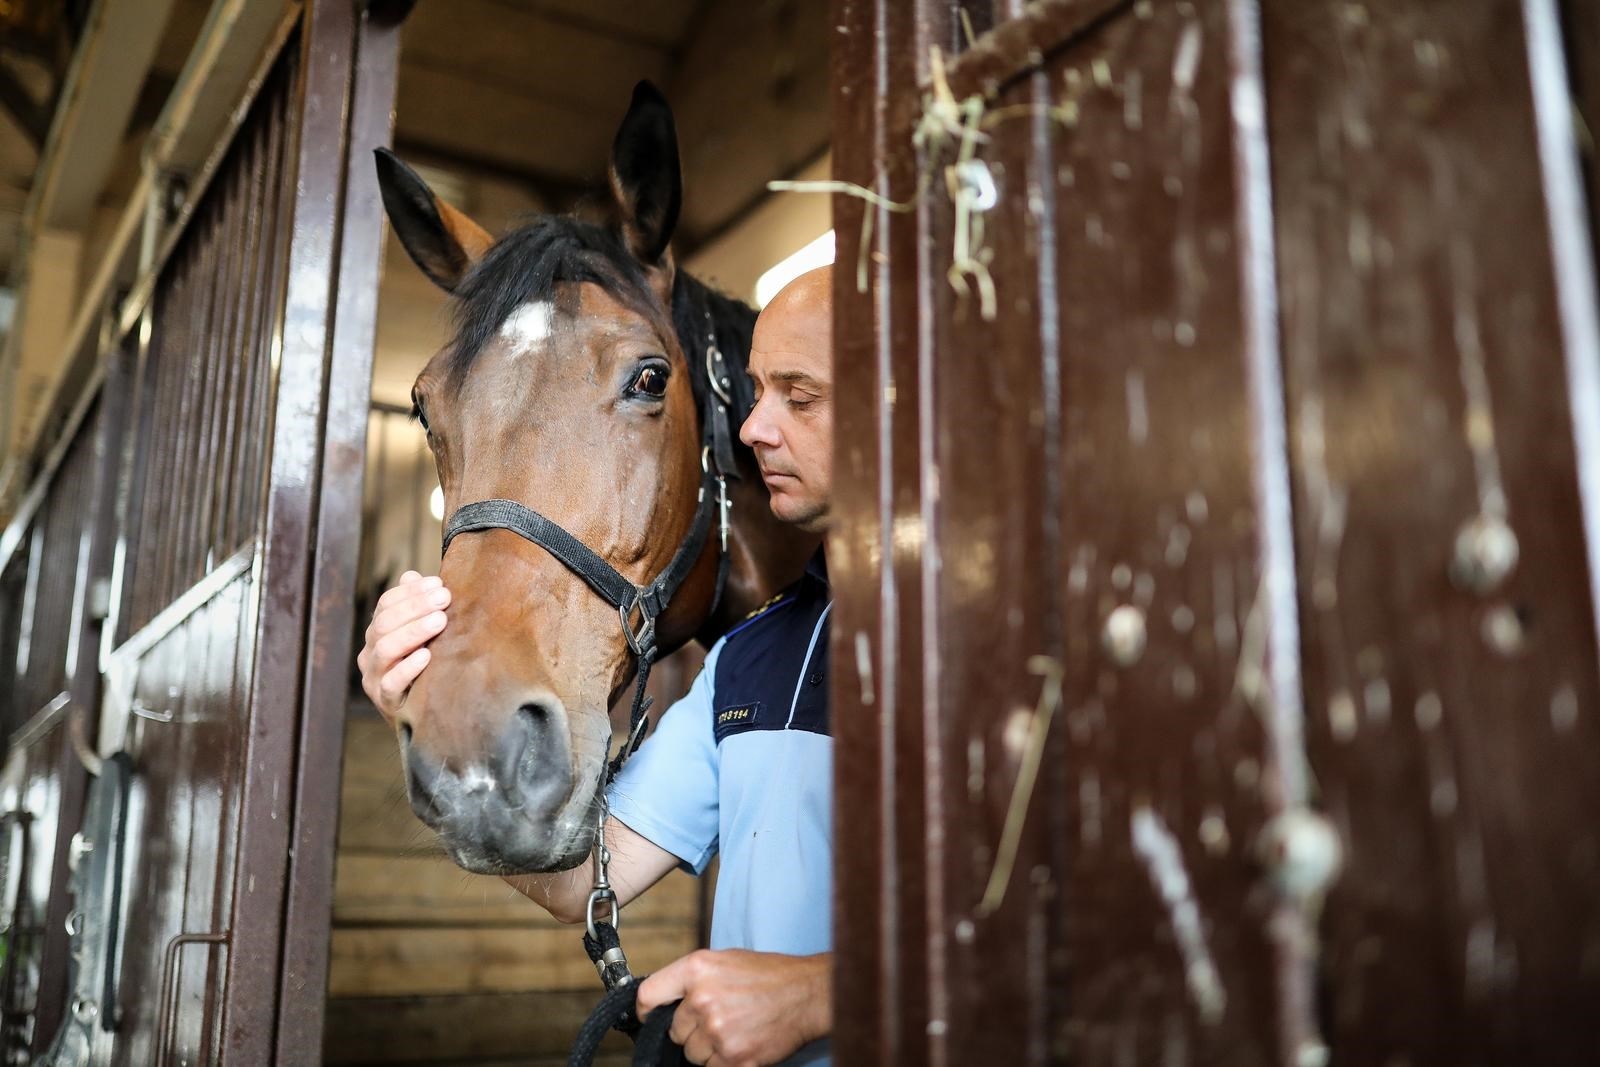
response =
{"points": [[817, 565]]}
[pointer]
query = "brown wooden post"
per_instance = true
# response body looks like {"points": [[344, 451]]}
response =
{"points": [[1227, 344]]}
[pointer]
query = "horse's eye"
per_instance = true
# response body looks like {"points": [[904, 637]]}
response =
{"points": [[651, 380], [421, 417]]}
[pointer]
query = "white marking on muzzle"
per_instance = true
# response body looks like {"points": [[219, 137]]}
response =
{"points": [[477, 780]]}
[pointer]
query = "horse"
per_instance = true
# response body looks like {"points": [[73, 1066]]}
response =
{"points": [[575, 384]]}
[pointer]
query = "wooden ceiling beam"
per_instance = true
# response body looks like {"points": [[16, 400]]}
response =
{"points": [[750, 92], [95, 102]]}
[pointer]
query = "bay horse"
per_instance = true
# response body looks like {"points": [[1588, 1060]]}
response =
{"points": [[573, 386]]}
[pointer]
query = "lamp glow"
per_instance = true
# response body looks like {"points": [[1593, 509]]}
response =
{"points": [[818, 253], [436, 503]]}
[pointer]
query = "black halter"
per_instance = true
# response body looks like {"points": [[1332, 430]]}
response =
{"points": [[638, 606]]}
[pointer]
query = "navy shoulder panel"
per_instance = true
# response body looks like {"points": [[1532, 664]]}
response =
{"points": [[758, 676]]}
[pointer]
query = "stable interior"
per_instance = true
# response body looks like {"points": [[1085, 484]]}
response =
{"points": [[508, 110]]}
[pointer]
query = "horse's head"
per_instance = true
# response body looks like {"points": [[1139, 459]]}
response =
{"points": [[567, 389]]}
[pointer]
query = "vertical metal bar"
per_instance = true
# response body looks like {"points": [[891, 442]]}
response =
{"points": [[251, 996], [336, 551], [232, 295], [240, 353]]}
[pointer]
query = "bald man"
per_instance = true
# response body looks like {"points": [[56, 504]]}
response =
{"points": [[741, 767]]}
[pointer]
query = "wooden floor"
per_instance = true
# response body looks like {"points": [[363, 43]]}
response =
{"points": [[432, 965]]}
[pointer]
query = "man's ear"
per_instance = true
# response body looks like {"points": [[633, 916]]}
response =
{"points": [[444, 242], [645, 178]]}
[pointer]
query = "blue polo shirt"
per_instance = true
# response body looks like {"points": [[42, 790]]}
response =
{"points": [[742, 767]]}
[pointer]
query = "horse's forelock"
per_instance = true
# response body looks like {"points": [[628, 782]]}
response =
{"points": [[533, 261]]}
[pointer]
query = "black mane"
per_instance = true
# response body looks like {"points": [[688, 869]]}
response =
{"points": [[529, 264]]}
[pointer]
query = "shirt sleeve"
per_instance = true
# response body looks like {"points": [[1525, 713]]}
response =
{"points": [[667, 791]]}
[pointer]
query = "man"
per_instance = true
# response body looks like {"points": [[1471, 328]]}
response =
{"points": [[742, 766]]}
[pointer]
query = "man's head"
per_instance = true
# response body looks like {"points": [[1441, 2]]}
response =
{"points": [[791, 426]]}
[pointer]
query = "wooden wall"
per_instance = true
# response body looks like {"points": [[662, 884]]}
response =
{"points": [[432, 965]]}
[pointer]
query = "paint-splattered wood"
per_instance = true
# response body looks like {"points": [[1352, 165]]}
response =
{"points": [[1115, 852], [1452, 693]]}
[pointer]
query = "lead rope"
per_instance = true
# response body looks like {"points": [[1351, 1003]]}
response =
{"points": [[601, 941]]}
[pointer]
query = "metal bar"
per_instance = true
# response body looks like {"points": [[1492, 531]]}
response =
{"points": [[303, 984], [169, 994], [42, 722], [183, 606], [239, 352], [143, 288], [129, 481], [251, 996]]}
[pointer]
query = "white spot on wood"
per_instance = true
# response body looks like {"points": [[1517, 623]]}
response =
{"points": [[1302, 851], [1377, 698], [1186, 60], [1163, 860], [1138, 408], [1089, 809], [1443, 798], [1564, 709], [1429, 711], [1184, 682], [1214, 832], [864, 666], [1177, 545], [1342, 715]]}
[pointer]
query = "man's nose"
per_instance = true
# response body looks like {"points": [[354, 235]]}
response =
{"points": [[758, 428]]}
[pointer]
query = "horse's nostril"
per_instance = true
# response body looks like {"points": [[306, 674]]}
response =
{"points": [[405, 735], [523, 737]]}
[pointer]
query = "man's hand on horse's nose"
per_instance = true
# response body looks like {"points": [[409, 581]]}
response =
{"points": [[406, 618]]}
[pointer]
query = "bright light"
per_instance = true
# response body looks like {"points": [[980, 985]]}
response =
{"points": [[818, 253], [436, 503]]}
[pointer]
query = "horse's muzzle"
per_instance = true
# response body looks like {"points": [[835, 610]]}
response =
{"points": [[512, 813]]}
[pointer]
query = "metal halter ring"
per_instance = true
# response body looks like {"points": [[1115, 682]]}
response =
{"points": [[645, 636], [608, 895]]}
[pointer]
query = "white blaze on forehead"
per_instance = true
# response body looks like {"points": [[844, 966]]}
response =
{"points": [[529, 326]]}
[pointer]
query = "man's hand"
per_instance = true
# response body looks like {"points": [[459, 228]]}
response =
{"points": [[406, 618], [741, 1009]]}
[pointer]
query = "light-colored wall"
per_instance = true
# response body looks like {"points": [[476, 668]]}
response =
{"points": [[782, 224]]}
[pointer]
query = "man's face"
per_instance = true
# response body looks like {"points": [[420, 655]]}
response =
{"points": [[791, 426]]}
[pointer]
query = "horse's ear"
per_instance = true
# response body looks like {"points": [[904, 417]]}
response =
{"points": [[645, 178], [444, 242]]}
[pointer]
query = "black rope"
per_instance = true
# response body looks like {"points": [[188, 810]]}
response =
{"points": [[653, 1048], [614, 1009], [618, 1009]]}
